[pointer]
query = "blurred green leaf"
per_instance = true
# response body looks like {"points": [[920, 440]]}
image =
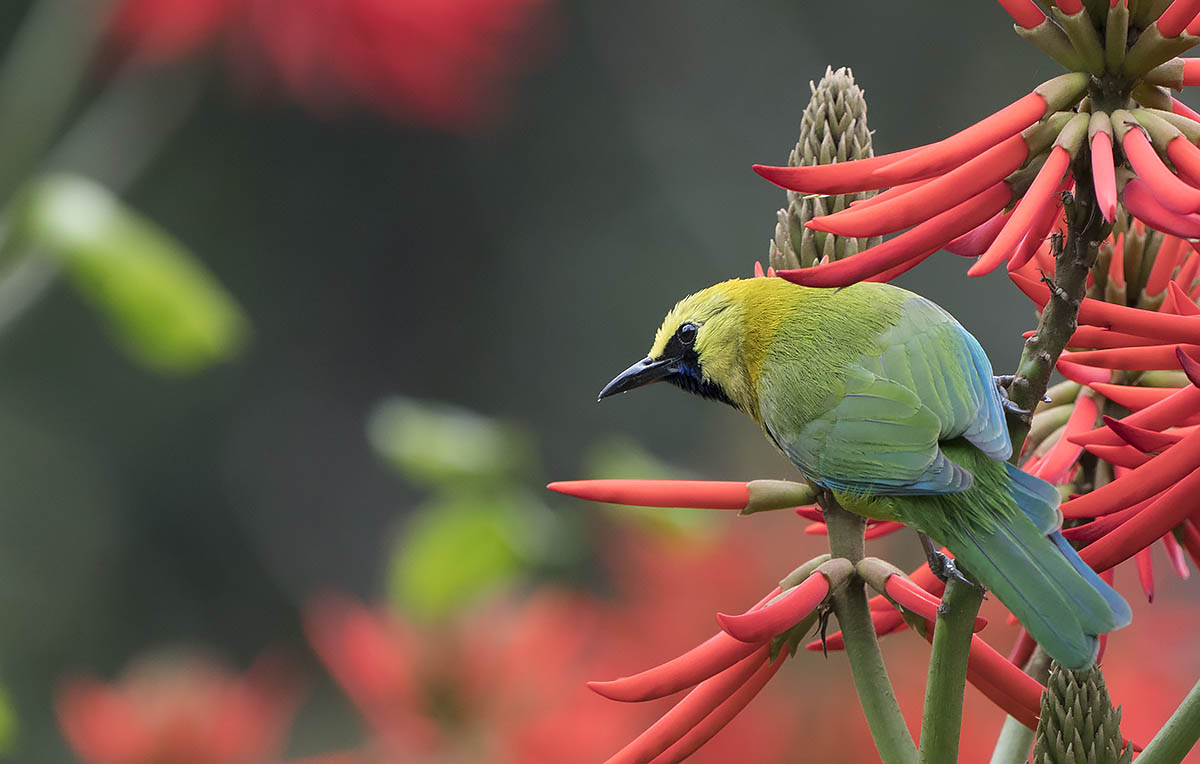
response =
{"points": [[166, 310], [439, 444], [622, 458], [458, 548], [8, 723]]}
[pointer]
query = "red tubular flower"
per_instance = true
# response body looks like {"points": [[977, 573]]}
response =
{"points": [[1084, 375], [1190, 538], [1166, 187], [1096, 337], [1183, 110], [838, 178], [1140, 199], [1146, 441], [1186, 157], [1022, 649], [701, 662], [931, 198], [1176, 556], [716, 720], [1025, 212], [890, 194], [1145, 572], [1120, 456], [1025, 12], [763, 623], [1102, 525], [932, 233], [1164, 265], [690, 711], [935, 158], [1160, 326], [1006, 685], [1170, 509], [752, 496], [1060, 461], [1181, 460], [1044, 220], [1133, 397], [1178, 407], [1137, 358], [1181, 302], [976, 241], [698, 494], [916, 599], [1177, 16], [953, 151]]}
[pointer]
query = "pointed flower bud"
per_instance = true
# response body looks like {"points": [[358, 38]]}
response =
{"points": [[833, 129], [1078, 722]]}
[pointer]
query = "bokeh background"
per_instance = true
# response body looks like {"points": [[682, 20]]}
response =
{"points": [[507, 262]]}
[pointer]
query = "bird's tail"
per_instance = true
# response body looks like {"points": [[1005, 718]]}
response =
{"points": [[1004, 533]]}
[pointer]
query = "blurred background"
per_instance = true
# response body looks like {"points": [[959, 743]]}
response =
{"points": [[482, 203]]}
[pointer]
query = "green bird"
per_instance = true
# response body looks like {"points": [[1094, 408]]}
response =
{"points": [[882, 397]]}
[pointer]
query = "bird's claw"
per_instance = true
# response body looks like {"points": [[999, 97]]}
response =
{"points": [[1003, 382], [944, 568]]}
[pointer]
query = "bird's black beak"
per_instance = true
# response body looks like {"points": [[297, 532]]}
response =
{"points": [[641, 373]]}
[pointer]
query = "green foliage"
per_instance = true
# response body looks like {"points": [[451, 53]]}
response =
{"points": [[435, 444], [8, 723], [164, 308], [454, 550], [481, 530]]}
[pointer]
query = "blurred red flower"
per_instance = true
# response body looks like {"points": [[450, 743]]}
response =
{"points": [[507, 683], [179, 710], [444, 64]]}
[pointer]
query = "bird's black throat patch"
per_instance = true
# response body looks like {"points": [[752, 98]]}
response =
{"points": [[689, 377]]}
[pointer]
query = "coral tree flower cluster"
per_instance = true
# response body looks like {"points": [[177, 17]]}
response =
{"points": [[1131, 402], [1121, 436], [1109, 128]]}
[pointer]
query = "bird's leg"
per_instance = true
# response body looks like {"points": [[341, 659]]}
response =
{"points": [[1003, 382], [942, 566]]}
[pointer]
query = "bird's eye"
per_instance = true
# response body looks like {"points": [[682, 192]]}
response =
{"points": [[687, 333]]}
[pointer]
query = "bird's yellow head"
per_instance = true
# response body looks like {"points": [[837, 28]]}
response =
{"points": [[707, 346]]}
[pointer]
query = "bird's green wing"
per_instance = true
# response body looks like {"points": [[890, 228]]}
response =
{"points": [[931, 354], [926, 380]]}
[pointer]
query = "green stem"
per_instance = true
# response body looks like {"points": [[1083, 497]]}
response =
{"points": [[1085, 230], [1178, 735], [942, 719], [892, 738]]}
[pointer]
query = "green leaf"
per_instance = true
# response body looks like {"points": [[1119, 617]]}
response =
{"points": [[8, 723], [442, 445], [164, 308], [457, 549]]}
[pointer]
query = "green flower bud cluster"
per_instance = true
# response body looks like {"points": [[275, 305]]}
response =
{"points": [[833, 129], [1078, 724]]}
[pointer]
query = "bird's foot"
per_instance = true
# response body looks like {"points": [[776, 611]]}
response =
{"points": [[940, 565], [944, 568], [1003, 383]]}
